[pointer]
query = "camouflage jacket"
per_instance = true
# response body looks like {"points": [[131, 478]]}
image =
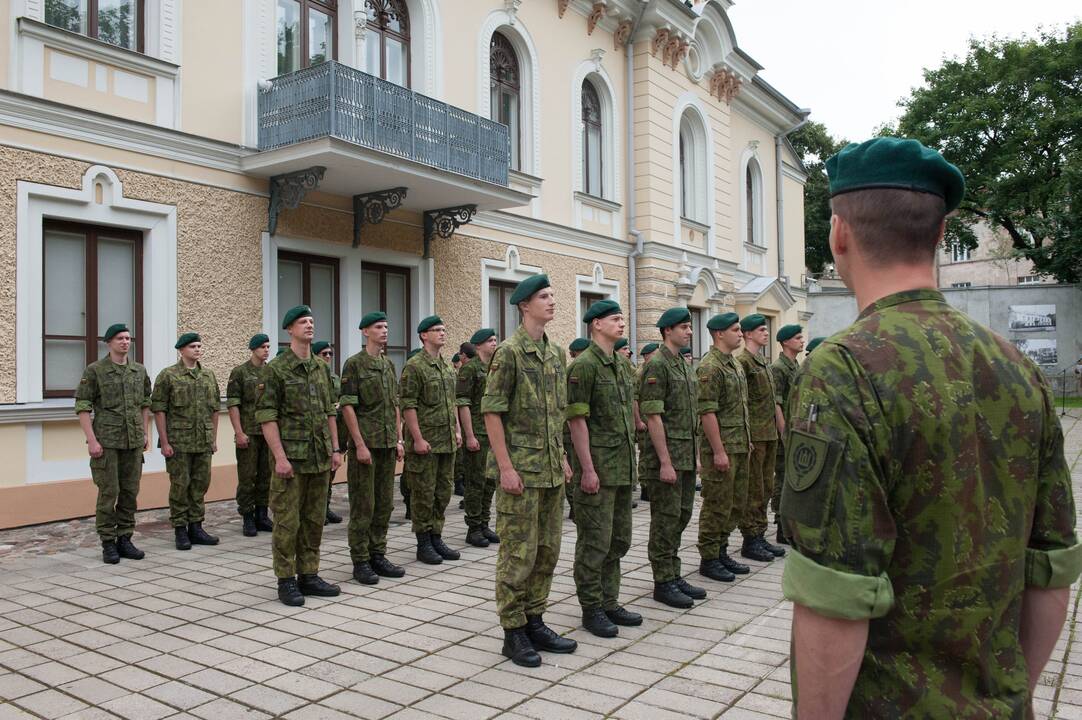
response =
{"points": [[783, 370], [668, 387], [599, 388], [428, 386], [723, 390], [117, 395], [242, 391], [761, 396], [925, 489], [527, 387], [369, 385], [189, 399], [470, 390], [298, 395]]}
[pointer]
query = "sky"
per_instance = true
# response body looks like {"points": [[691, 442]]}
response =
{"points": [[850, 61]]}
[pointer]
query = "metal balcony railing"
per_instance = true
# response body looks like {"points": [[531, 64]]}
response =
{"points": [[334, 100]]}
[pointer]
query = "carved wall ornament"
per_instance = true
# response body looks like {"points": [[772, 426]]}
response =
{"points": [[660, 41], [511, 8], [287, 191], [724, 84], [679, 53], [444, 222], [596, 55], [561, 6], [360, 24], [672, 47], [595, 16], [622, 36], [371, 208]]}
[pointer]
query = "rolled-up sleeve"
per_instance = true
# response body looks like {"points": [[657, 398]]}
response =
{"points": [[501, 382], [652, 389], [580, 384]]}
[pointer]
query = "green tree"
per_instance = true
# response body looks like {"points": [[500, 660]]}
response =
{"points": [[815, 145], [1009, 115]]}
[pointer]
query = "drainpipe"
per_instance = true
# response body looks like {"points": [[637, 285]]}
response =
{"points": [[780, 195], [632, 230]]}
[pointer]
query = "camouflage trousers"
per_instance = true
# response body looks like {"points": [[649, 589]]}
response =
{"points": [[299, 505], [760, 487], [603, 521], [530, 527], [779, 481], [431, 482], [479, 488], [116, 474], [724, 496], [371, 497], [670, 512], [254, 467], [189, 478]]}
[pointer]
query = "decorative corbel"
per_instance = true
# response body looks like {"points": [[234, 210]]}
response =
{"points": [[561, 6], [595, 55], [360, 24], [443, 223], [622, 36], [511, 8], [671, 48], [661, 39], [679, 53], [370, 208], [595, 16], [287, 191]]}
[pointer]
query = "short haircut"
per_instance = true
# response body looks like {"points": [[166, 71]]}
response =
{"points": [[893, 226]]}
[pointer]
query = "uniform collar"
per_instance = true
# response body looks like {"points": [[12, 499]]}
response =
{"points": [[725, 357], [757, 357], [185, 368], [600, 354], [786, 360], [671, 357], [484, 365], [435, 361], [114, 367], [527, 343], [292, 361], [901, 298]]}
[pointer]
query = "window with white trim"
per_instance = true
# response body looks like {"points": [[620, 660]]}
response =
{"points": [[960, 253], [592, 134], [753, 204], [305, 32], [1029, 279], [117, 22], [505, 86], [691, 146], [961, 284]]}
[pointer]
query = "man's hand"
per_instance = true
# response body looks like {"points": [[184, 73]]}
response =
{"points": [[589, 482], [283, 468], [167, 450], [421, 447], [721, 461], [668, 474], [241, 439], [364, 455], [567, 470], [640, 426], [399, 452], [214, 447], [458, 438], [511, 482], [95, 449], [336, 462], [473, 444]]}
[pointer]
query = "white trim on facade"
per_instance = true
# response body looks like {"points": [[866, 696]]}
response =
{"points": [[508, 270], [575, 240], [690, 104], [750, 159], [595, 284], [611, 177]]}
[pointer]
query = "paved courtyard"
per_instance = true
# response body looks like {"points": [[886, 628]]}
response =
{"points": [[200, 634]]}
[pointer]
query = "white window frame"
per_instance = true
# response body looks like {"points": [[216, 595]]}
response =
{"points": [[960, 253], [512, 28], [594, 284], [508, 270], [751, 161], [1029, 279], [611, 186], [690, 106], [961, 284]]}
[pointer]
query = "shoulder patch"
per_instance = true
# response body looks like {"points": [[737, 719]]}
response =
{"points": [[574, 379], [806, 458], [494, 366], [651, 381], [83, 381]]}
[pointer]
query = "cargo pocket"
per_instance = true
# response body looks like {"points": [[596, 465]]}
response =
{"points": [[527, 452], [295, 443]]}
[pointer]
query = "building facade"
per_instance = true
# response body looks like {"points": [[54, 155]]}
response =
{"points": [[992, 263], [203, 165]]}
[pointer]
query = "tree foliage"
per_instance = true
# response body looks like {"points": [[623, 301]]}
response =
{"points": [[815, 145]]}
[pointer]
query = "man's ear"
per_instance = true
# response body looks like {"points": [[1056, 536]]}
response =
{"points": [[841, 238]]}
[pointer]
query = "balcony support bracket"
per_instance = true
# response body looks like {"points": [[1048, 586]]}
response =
{"points": [[287, 191], [371, 208], [444, 223]]}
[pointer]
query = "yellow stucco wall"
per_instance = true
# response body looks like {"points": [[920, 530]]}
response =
{"points": [[211, 80], [13, 450]]}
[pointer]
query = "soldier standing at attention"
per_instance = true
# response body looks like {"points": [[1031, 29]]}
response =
{"points": [[783, 370], [724, 445], [297, 413], [185, 404], [369, 406], [524, 403], [767, 424], [668, 392], [253, 461], [576, 348], [641, 436], [403, 479], [927, 494], [479, 486], [428, 412], [323, 350], [599, 395], [116, 390]]}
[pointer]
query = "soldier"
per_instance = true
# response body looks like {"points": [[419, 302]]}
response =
{"points": [[116, 389], [403, 479], [479, 486], [688, 355], [524, 403], [641, 437], [599, 394], [926, 492], [576, 348], [783, 370], [323, 350], [428, 412], [185, 404], [647, 352], [724, 444], [623, 347], [668, 393], [767, 424], [456, 362], [297, 413], [369, 406], [815, 342], [253, 461]]}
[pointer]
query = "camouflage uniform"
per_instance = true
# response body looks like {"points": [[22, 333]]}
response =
{"points": [[479, 486], [297, 396], [668, 387], [253, 462], [926, 489], [117, 395], [370, 386], [189, 399], [723, 391], [764, 438], [428, 387], [783, 370], [343, 434], [527, 388], [599, 389]]}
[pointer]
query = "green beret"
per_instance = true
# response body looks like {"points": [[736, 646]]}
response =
{"points": [[455, 358], [187, 339], [280, 351], [113, 330], [620, 344], [468, 350], [814, 343], [412, 352], [600, 309], [723, 321], [751, 322], [482, 335], [294, 314], [685, 350], [674, 316], [257, 340], [788, 332], [526, 289], [428, 323], [899, 163], [371, 319], [648, 348], [579, 344], [319, 346]]}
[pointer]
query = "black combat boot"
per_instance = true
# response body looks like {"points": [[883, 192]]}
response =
{"points": [[643, 494], [183, 541], [460, 487], [623, 616], [425, 552], [490, 535], [385, 568], [289, 593], [333, 518], [519, 649], [248, 529], [596, 621], [692, 591], [772, 549], [109, 554], [714, 570], [262, 519], [199, 536], [542, 637], [752, 550], [315, 585], [781, 537], [441, 547], [736, 568], [667, 593], [364, 574], [127, 550], [476, 537]]}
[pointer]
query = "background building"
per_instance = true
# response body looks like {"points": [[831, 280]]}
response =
{"points": [[991, 263]]}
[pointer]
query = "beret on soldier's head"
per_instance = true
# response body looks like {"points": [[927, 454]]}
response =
{"points": [[526, 289], [620, 344], [673, 316], [455, 358], [685, 350], [319, 346], [752, 322], [280, 351], [578, 344], [482, 335], [294, 314], [114, 330], [724, 321], [895, 163], [467, 349], [371, 319], [648, 348], [815, 343], [412, 352], [788, 332], [600, 309], [428, 323], [257, 340], [187, 339]]}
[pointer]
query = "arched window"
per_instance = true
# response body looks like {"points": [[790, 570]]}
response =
{"points": [[692, 144], [505, 84], [591, 141], [753, 204], [388, 40]]}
